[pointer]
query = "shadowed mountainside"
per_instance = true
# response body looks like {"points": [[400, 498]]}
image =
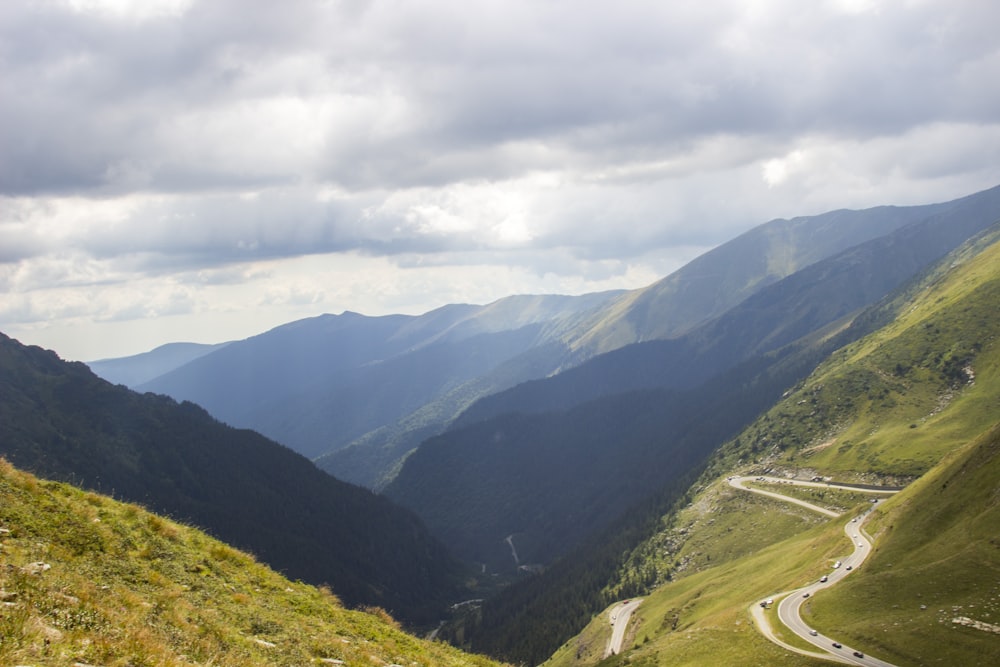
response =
{"points": [[59, 420]]}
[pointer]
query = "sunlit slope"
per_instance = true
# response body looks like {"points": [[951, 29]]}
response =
{"points": [[88, 580], [916, 401], [726, 550], [895, 402], [930, 594]]}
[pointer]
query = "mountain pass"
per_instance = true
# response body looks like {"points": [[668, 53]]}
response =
{"points": [[620, 615], [790, 606]]}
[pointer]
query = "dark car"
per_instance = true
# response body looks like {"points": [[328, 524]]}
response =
{"points": [[837, 645], [859, 654]]}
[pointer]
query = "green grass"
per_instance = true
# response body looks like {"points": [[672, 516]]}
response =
{"points": [[937, 558], [833, 498], [722, 525], [702, 617], [898, 406], [891, 405], [123, 587]]}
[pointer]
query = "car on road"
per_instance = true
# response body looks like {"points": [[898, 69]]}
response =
{"points": [[824, 579], [850, 567], [859, 654], [805, 595], [837, 645], [813, 633]]}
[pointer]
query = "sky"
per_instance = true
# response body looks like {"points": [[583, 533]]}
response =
{"points": [[205, 170]]}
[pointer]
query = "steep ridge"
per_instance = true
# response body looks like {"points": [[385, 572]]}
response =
{"points": [[923, 342], [59, 420], [772, 317], [552, 479], [711, 284], [701, 290], [554, 476], [705, 288], [141, 368], [294, 384], [87, 580]]}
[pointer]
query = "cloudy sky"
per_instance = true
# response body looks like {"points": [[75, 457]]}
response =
{"points": [[204, 170]]}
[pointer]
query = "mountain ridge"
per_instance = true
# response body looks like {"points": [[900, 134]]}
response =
{"points": [[249, 391], [693, 546], [60, 420]]}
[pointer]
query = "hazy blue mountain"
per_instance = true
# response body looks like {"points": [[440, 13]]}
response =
{"points": [[140, 368], [317, 384], [60, 421]]}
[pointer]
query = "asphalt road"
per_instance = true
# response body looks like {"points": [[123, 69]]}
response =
{"points": [[788, 609], [620, 614]]}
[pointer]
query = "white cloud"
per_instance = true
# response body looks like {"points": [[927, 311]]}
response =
{"points": [[207, 151]]}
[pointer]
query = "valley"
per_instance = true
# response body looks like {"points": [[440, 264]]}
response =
{"points": [[523, 472]]}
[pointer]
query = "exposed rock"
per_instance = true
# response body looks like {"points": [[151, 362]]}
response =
{"points": [[36, 568]]}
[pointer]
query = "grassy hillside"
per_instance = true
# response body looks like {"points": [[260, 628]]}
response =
{"points": [[719, 553], [897, 401], [928, 595], [938, 564], [86, 579], [60, 421], [917, 399]]}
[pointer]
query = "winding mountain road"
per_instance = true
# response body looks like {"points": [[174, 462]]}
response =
{"points": [[620, 615], [791, 604]]}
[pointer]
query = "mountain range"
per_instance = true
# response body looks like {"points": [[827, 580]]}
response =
{"points": [[909, 399], [357, 394], [574, 449]]}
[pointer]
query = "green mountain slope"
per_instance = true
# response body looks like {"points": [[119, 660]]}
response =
{"points": [[59, 420], [897, 401], [713, 283], [87, 580], [931, 591], [918, 397]]}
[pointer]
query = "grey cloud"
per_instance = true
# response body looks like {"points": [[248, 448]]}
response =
{"points": [[93, 104], [655, 116]]}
